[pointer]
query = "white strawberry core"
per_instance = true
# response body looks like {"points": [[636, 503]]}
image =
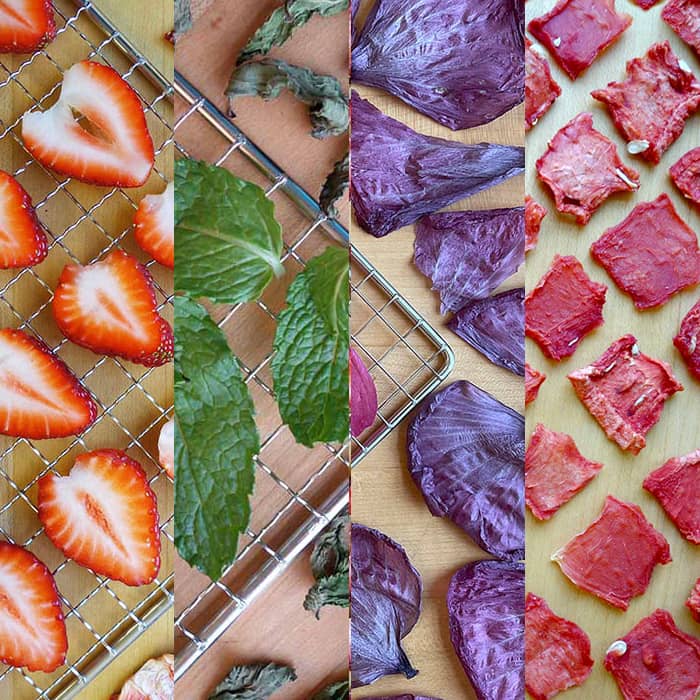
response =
{"points": [[13, 14], [162, 207], [166, 446]]}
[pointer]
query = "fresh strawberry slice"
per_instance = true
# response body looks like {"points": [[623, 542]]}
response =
{"points": [[25, 25], [40, 397], [32, 631], [110, 308], [155, 226], [104, 515], [114, 147], [166, 448], [22, 240]]}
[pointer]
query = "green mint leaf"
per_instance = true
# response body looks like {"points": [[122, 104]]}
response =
{"points": [[335, 691], [228, 241], [215, 442], [254, 682], [328, 104], [335, 185], [310, 365], [281, 24], [183, 16]]}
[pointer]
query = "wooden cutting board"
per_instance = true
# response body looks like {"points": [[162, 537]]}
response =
{"points": [[678, 431]]}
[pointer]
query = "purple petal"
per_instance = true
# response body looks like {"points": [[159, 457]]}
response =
{"points": [[363, 395]]}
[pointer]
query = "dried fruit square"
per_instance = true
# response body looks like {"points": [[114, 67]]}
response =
{"points": [[616, 555], [565, 305], [688, 340], [557, 651], [534, 213], [685, 173], [650, 107], [646, 4], [533, 381], [541, 90], [576, 32], [693, 602], [625, 391], [555, 471], [683, 16], [583, 168], [651, 254], [676, 486], [656, 660]]}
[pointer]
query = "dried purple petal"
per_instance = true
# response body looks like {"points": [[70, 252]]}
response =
{"points": [[466, 453], [399, 175], [402, 697], [363, 395]]}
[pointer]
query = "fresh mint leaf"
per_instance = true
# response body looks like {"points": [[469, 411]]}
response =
{"points": [[335, 185], [335, 691], [254, 682], [228, 241], [215, 442], [328, 104]]}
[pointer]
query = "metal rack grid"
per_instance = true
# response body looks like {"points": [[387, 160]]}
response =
{"points": [[292, 506], [84, 223]]}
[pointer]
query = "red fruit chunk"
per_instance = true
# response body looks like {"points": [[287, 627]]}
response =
{"points": [[155, 680], [683, 16], [26, 25], [646, 4], [104, 515], [693, 602], [541, 90], [651, 105], [555, 471], [676, 486], [576, 32], [154, 226], [688, 340], [685, 173], [565, 305], [625, 391], [557, 651], [533, 380], [32, 631], [615, 556], [651, 254], [582, 168], [534, 213], [656, 660]]}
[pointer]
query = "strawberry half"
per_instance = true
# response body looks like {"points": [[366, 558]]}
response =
{"points": [[110, 308], [115, 151], [25, 25], [104, 515], [155, 226], [166, 448], [32, 630], [40, 397], [22, 240]]}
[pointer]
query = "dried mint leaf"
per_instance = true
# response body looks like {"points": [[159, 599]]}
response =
{"points": [[228, 241], [328, 104], [335, 185], [183, 16], [253, 682], [215, 442], [336, 691]]}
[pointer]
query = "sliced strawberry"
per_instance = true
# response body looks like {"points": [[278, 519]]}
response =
{"points": [[40, 397], [25, 25], [22, 240], [166, 448], [104, 515], [32, 631], [113, 149], [155, 226], [110, 308]]}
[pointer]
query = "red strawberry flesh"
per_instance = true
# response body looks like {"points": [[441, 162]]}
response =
{"points": [[154, 224]]}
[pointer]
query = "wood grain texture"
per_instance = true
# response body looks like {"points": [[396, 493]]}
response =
{"points": [[557, 407]]}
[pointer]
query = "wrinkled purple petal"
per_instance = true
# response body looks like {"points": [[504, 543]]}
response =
{"points": [[385, 602], [402, 697], [363, 395], [459, 62], [495, 326], [486, 604], [399, 175], [466, 453], [468, 254]]}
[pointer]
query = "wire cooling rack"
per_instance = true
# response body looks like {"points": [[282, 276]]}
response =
{"points": [[298, 490], [83, 223]]}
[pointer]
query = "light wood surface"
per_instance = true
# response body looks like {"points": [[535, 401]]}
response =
{"points": [[557, 407]]}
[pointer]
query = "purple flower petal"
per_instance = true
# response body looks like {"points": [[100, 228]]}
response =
{"points": [[363, 395]]}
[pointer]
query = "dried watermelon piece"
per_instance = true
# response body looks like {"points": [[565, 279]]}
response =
{"points": [[625, 391], [533, 381], [683, 16], [685, 173], [693, 602], [576, 32], [557, 651], [458, 62], [495, 327], [399, 175], [676, 486], [468, 254], [555, 471], [650, 107], [541, 90], [565, 306], [615, 556], [688, 340], [534, 213], [656, 660], [651, 254]]}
